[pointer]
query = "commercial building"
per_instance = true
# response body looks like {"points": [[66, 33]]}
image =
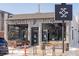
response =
{"points": [[37, 27]]}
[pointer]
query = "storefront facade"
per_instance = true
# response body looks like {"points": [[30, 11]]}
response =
{"points": [[38, 26]]}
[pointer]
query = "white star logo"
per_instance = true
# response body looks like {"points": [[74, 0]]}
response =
{"points": [[63, 12]]}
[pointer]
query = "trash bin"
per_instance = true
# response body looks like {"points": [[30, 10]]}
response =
{"points": [[67, 46]]}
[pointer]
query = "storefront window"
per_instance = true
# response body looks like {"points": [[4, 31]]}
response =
{"points": [[13, 32], [54, 31], [18, 32]]}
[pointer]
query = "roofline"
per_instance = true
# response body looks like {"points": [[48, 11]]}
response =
{"points": [[35, 13], [32, 14], [5, 12]]}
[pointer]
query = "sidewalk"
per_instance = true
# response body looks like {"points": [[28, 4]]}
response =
{"points": [[34, 51], [72, 52]]}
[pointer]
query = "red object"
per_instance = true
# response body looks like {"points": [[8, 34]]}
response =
{"points": [[2, 34], [25, 51]]}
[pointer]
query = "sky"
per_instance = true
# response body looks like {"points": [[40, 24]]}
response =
{"points": [[22, 8]]}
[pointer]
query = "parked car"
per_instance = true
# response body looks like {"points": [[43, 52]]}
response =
{"points": [[3, 47]]}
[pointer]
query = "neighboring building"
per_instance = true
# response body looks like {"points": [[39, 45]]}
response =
{"points": [[3, 17], [74, 42], [75, 32], [43, 25]]}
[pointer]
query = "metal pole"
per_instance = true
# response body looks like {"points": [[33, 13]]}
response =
{"points": [[63, 35], [34, 50], [43, 49], [53, 50], [39, 8]]}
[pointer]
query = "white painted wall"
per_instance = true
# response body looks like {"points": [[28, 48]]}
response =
{"points": [[74, 42], [5, 26]]}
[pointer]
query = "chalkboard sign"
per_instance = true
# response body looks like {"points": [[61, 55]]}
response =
{"points": [[34, 36]]}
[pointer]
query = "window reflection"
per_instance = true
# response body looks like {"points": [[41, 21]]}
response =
{"points": [[54, 31], [18, 32]]}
